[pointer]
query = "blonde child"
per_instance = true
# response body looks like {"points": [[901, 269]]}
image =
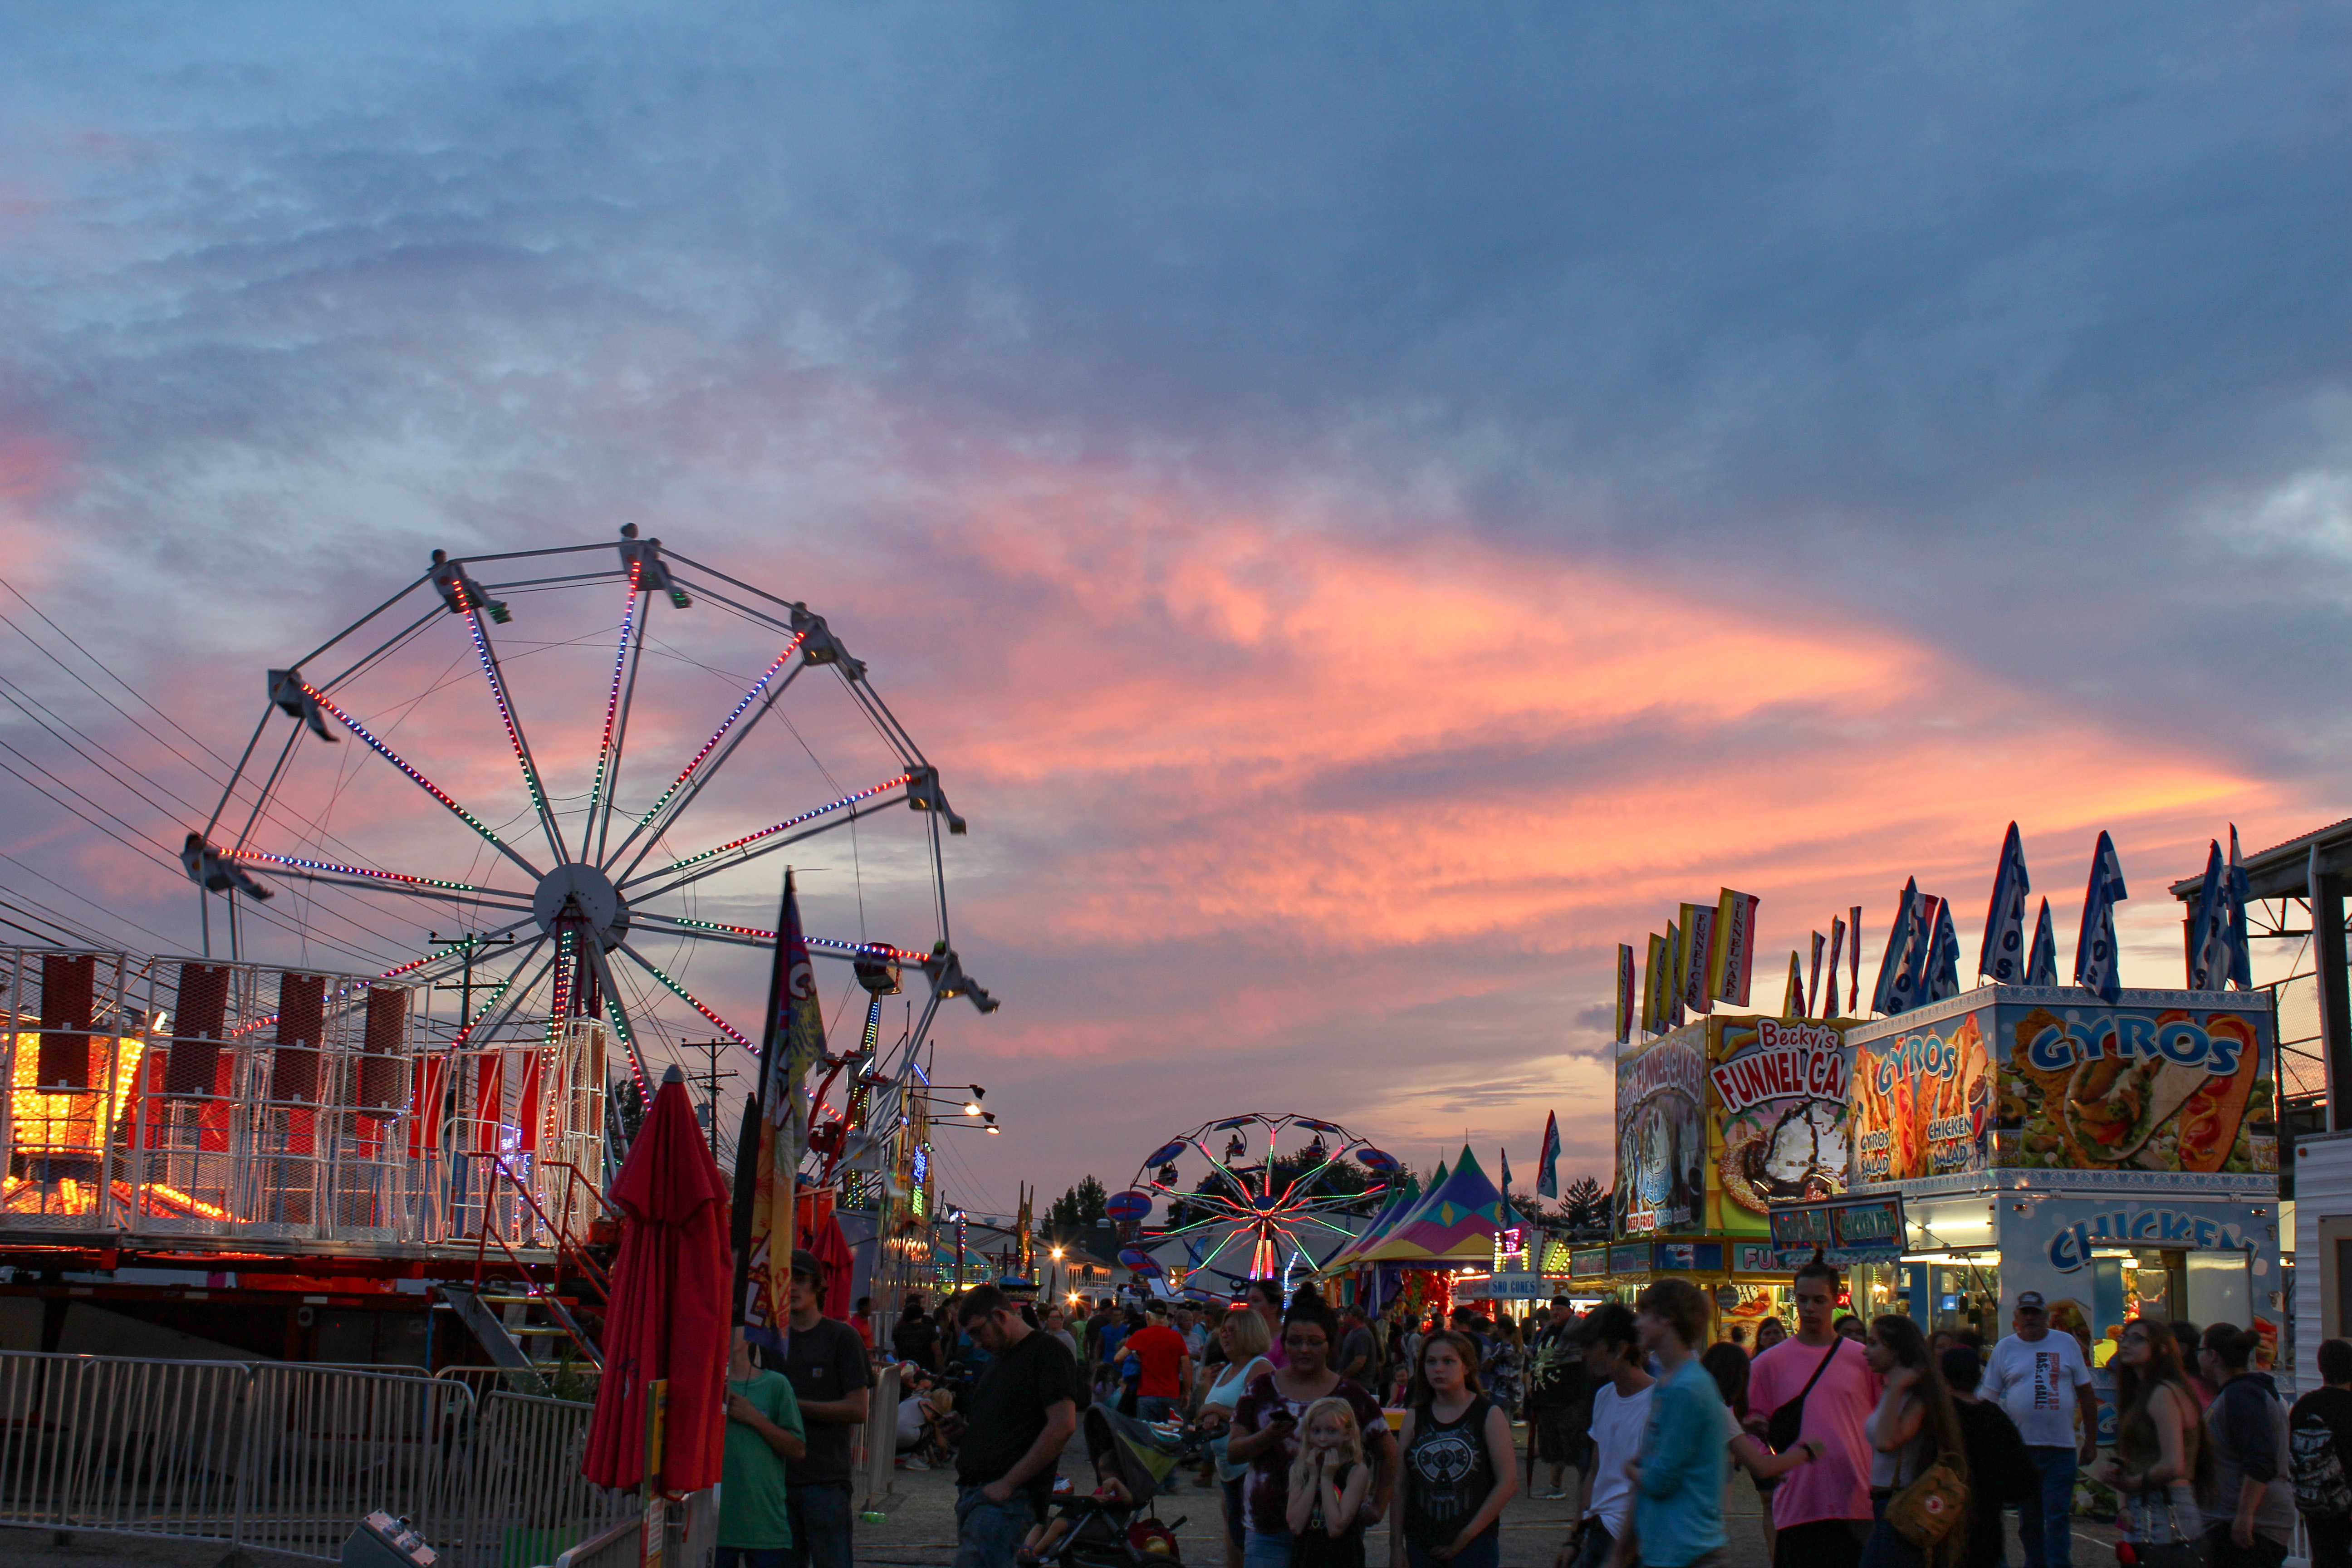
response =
{"points": [[1327, 1483]]}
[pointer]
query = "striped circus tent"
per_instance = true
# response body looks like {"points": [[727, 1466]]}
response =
{"points": [[1456, 1222]]}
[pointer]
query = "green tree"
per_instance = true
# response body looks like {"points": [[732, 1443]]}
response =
{"points": [[1078, 1210], [1585, 1208]]}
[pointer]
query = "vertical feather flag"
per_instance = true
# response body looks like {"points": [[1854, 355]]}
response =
{"points": [[1624, 992], [2207, 963], [1673, 997], [1943, 967], [790, 1039], [2241, 956], [1897, 963], [1547, 1161], [1813, 983], [1697, 960], [1654, 987], [1837, 953], [2042, 969], [1792, 1000], [1854, 963], [1735, 946], [2003, 957], [2094, 946]]}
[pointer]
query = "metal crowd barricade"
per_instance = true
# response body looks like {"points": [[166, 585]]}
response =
{"points": [[531, 1503], [130, 1448], [325, 1447], [290, 1458]]}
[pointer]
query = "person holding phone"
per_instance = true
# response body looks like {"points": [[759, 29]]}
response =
{"points": [[1265, 1430]]}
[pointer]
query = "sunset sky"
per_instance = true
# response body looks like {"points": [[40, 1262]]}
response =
{"points": [[1366, 505]]}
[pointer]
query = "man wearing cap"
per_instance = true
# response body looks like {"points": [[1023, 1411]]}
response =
{"points": [[2044, 1382], [827, 1364]]}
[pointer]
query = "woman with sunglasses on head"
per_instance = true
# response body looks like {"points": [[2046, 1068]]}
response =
{"points": [[2160, 1456]]}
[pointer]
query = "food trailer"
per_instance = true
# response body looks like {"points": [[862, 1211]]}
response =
{"points": [[1718, 1123], [2120, 1158]]}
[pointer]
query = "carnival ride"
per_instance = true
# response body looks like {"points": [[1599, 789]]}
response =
{"points": [[1259, 1210], [416, 803]]}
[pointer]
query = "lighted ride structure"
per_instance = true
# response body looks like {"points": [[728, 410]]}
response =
{"points": [[1256, 1212], [413, 801]]}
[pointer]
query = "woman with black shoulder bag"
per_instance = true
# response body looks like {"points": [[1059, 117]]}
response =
{"points": [[2161, 1457]]}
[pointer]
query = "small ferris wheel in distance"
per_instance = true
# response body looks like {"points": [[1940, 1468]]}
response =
{"points": [[1247, 1198]]}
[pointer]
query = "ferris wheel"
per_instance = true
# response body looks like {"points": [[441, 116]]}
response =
{"points": [[1266, 1193], [468, 771]]}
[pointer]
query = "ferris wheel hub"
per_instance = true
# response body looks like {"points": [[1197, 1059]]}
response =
{"points": [[589, 893]]}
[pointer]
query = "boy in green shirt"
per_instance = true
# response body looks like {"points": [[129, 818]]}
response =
{"points": [[763, 1431]]}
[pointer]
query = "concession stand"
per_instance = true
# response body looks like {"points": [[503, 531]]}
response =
{"points": [[2120, 1158], [1717, 1123]]}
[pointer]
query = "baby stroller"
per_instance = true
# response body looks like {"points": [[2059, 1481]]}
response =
{"points": [[1106, 1533]]}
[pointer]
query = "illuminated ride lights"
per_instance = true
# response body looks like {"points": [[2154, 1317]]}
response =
{"points": [[388, 754], [808, 815], [593, 890], [721, 733], [328, 866], [1255, 1206]]}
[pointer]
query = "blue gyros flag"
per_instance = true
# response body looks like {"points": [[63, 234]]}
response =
{"points": [[1547, 1161], [2002, 958], [1894, 963], [1943, 957], [2209, 925], [2094, 946], [2042, 969], [2241, 958], [1911, 985]]}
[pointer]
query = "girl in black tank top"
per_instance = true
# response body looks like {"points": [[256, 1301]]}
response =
{"points": [[1447, 1474]]}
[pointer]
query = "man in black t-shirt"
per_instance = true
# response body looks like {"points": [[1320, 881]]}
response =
{"points": [[1021, 1413], [827, 1364], [2328, 1407]]}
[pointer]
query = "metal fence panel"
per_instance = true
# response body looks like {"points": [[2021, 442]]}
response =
{"points": [[325, 1447], [130, 1448], [533, 1504]]}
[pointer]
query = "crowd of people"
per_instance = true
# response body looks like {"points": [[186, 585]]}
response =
{"points": [[1872, 1445]]}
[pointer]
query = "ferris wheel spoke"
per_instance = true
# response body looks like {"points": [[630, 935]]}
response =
{"points": [[683, 994], [751, 846], [608, 754], [753, 936], [702, 767], [360, 877], [327, 705], [513, 721]]}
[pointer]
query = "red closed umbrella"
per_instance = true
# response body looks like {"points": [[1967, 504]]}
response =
{"points": [[820, 1231], [669, 1313]]}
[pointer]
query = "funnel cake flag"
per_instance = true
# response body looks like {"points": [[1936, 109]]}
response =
{"points": [[1734, 940], [1696, 958], [1624, 992], [2002, 958], [791, 1041], [2094, 946]]}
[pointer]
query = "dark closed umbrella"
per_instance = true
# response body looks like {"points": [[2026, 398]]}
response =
{"points": [[669, 1313]]}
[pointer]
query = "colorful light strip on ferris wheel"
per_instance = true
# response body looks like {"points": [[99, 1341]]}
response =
{"points": [[297, 861], [388, 754], [831, 945], [613, 701], [690, 1000], [810, 815], [506, 713], [721, 733]]}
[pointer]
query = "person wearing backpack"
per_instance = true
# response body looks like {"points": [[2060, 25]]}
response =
{"points": [[2319, 1446], [2250, 1512]]}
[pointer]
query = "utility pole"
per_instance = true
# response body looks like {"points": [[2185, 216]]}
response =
{"points": [[711, 1079], [466, 1006]]}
